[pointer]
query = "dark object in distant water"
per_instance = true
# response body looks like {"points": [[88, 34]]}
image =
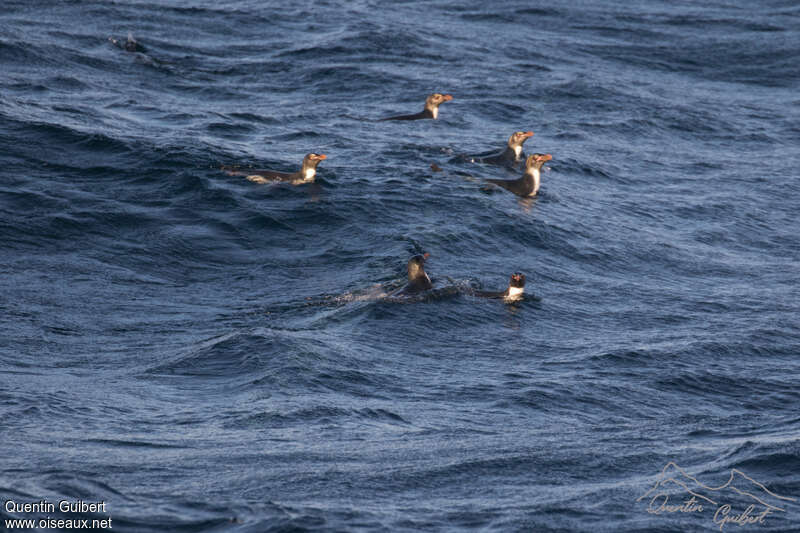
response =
{"points": [[511, 156], [514, 292], [435, 167], [304, 175], [528, 184], [431, 110], [418, 280], [130, 45]]}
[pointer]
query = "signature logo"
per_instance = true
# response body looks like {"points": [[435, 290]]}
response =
{"points": [[741, 500]]}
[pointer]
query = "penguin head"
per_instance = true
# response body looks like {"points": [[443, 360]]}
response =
{"points": [[416, 266], [535, 161], [518, 138], [312, 160], [517, 280], [433, 101]]}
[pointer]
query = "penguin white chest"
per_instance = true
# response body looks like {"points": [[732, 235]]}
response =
{"points": [[515, 293]]}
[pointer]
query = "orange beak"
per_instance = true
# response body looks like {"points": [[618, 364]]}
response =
{"points": [[545, 157], [323, 156], [448, 97], [528, 134], [426, 255]]}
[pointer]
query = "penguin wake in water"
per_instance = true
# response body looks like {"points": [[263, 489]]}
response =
{"points": [[418, 280], [528, 184], [431, 110], [511, 156], [514, 292], [304, 175]]}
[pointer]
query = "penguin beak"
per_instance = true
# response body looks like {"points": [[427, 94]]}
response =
{"points": [[322, 156], [528, 134], [426, 255], [545, 157], [447, 97]]}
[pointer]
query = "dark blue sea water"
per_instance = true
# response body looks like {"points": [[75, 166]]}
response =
{"points": [[203, 353]]}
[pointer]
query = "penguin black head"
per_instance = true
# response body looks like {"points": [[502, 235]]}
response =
{"points": [[312, 160], [535, 161], [518, 138], [416, 266], [517, 280], [433, 101]]}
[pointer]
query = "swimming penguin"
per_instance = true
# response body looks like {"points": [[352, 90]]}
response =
{"points": [[131, 45], [528, 184], [514, 292], [418, 280], [431, 108], [512, 155], [304, 175]]}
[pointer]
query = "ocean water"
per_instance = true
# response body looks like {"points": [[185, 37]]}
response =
{"points": [[202, 353]]}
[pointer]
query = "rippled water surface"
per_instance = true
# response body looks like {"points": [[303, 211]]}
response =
{"points": [[204, 353]]}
